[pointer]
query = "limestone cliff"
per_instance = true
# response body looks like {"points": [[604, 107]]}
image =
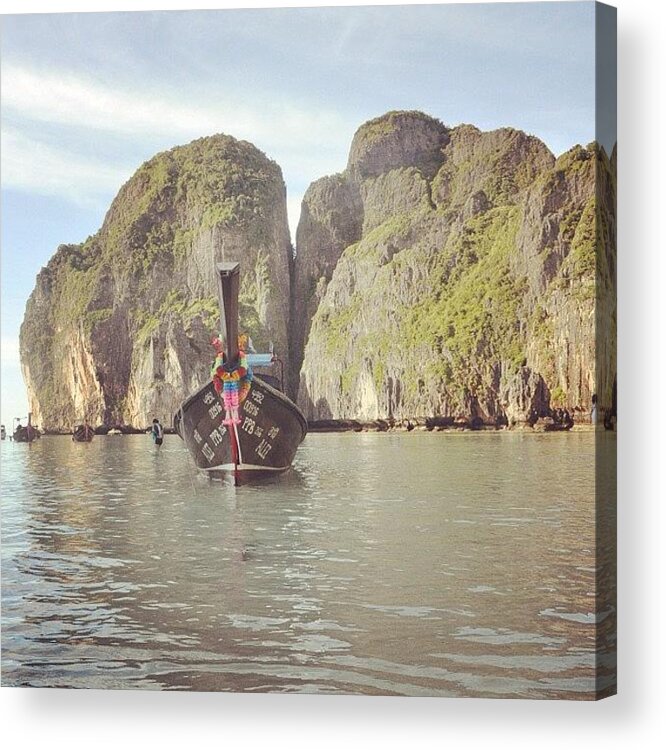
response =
{"points": [[455, 272], [117, 328], [446, 272]]}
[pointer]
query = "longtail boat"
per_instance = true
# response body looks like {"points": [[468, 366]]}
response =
{"points": [[263, 438], [27, 433], [83, 433]]}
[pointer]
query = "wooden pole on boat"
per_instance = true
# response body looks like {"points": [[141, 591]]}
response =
{"points": [[228, 285]]}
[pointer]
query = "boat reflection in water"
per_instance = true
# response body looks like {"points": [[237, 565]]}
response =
{"points": [[270, 426]]}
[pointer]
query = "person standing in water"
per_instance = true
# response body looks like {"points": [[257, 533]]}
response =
{"points": [[593, 413], [157, 432]]}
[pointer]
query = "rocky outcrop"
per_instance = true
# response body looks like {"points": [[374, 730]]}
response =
{"points": [[523, 394], [117, 328], [331, 220], [396, 140], [384, 178], [448, 274], [471, 285]]}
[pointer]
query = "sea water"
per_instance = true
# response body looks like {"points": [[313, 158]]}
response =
{"points": [[444, 564]]}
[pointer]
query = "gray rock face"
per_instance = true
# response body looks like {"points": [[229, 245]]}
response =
{"points": [[475, 288], [396, 140], [331, 220], [501, 163], [522, 394], [383, 178], [447, 273], [117, 330]]}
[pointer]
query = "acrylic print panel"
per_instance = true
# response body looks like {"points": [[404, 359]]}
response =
{"points": [[315, 388]]}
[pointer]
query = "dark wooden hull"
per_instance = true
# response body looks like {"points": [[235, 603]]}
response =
{"points": [[83, 434], [558, 427], [26, 434], [262, 445]]}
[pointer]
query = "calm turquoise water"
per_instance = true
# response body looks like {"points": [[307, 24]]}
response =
{"points": [[410, 564]]}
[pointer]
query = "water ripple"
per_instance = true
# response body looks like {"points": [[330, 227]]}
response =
{"points": [[466, 575]]}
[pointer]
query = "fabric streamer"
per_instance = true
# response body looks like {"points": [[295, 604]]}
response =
{"points": [[232, 380]]}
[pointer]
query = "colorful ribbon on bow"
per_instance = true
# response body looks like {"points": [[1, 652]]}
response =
{"points": [[232, 380]]}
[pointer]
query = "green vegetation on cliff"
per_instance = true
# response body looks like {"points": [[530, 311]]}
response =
{"points": [[446, 271], [468, 312], [474, 314], [474, 295], [145, 283]]}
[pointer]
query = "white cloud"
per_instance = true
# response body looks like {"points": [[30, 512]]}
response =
{"points": [[307, 143], [72, 100], [67, 99], [41, 168]]}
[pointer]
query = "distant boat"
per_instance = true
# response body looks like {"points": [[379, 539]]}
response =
{"points": [[83, 433], [271, 426], [554, 427], [27, 433]]}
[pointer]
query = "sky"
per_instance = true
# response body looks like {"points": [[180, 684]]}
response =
{"points": [[86, 98]]}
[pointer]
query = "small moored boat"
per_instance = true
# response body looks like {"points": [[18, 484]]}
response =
{"points": [[26, 433], [83, 433], [263, 439]]}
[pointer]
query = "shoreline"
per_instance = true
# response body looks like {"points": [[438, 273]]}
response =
{"points": [[414, 425], [426, 425]]}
